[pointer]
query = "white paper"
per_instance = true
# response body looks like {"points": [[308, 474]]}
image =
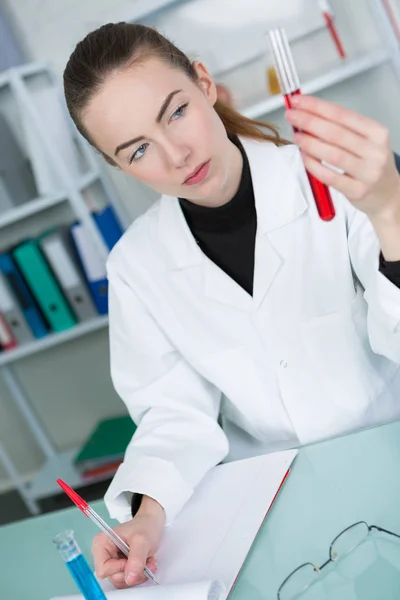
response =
{"points": [[205, 590], [210, 539], [213, 535]]}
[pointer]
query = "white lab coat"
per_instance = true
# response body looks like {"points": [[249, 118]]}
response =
{"points": [[313, 354]]}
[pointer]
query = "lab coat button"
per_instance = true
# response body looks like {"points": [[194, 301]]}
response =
{"points": [[283, 364]]}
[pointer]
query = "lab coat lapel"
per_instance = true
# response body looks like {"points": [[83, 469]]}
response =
{"points": [[182, 252], [279, 200], [221, 287]]}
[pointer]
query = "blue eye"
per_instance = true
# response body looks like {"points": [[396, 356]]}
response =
{"points": [[179, 112], [138, 153]]}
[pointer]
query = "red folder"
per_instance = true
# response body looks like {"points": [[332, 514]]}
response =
{"points": [[7, 339]]}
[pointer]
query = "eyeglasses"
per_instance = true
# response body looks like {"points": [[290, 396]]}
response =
{"points": [[304, 576]]}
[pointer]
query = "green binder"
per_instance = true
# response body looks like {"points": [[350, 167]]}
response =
{"points": [[107, 443], [44, 285]]}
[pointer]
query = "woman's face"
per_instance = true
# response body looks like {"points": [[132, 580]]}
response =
{"points": [[160, 127]]}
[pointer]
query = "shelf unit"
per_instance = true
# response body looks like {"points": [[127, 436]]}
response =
{"points": [[53, 339], [44, 485], [38, 205], [69, 190], [58, 464], [145, 10], [27, 70], [343, 71]]}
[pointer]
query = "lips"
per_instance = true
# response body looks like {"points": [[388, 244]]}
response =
{"points": [[193, 173], [198, 174]]}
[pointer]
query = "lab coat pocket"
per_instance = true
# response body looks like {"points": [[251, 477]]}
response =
{"points": [[338, 348]]}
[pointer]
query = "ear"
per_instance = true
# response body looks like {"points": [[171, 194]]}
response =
{"points": [[205, 81]]}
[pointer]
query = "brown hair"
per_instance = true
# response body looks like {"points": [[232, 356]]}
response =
{"points": [[115, 46]]}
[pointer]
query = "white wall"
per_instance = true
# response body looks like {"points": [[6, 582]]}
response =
{"points": [[70, 386]]}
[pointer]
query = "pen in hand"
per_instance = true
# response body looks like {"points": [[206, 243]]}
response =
{"points": [[101, 524]]}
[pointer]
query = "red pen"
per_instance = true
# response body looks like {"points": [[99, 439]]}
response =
{"points": [[328, 16], [290, 86], [101, 524]]}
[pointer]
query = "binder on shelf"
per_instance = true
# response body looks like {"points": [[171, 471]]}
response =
{"points": [[12, 54], [44, 285], [26, 301], [93, 266], [58, 248], [12, 313], [7, 340], [103, 471], [55, 125], [17, 180], [109, 226], [105, 447], [6, 202]]}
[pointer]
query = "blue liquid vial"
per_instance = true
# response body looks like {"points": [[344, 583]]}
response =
{"points": [[78, 566]]}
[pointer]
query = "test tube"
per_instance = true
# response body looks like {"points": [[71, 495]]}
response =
{"points": [[328, 17], [78, 566], [290, 86]]}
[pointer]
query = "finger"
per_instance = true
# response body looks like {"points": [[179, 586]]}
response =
{"points": [[102, 545], [111, 567], [102, 553], [360, 124], [118, 581], [339, 158], [329, 132], [138, 555], [152, 564], [343, 183]]}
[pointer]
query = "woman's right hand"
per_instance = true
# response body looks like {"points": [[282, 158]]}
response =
{"points": [[143, 535]]}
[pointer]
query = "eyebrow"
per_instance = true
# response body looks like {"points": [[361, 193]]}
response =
{"points": [[160, 115]]}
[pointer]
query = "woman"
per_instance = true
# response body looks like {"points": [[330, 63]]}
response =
{"points": [[240, 322]]}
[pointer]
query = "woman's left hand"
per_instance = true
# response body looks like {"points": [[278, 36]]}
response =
{"points": [[357, 145]]}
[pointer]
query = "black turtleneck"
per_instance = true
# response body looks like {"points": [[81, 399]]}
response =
{"points": [[227, 233]]}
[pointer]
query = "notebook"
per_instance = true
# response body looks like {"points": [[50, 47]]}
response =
{"points": [[203, 550]]}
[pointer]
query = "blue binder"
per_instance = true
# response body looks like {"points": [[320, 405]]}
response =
{"points": [[92, 265], [109, 226], [28, 305]]}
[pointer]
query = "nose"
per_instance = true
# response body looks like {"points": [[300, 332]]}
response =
{"points": [[177, 153]]}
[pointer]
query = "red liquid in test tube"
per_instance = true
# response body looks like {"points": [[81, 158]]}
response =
{"points": [[290, 87]]}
